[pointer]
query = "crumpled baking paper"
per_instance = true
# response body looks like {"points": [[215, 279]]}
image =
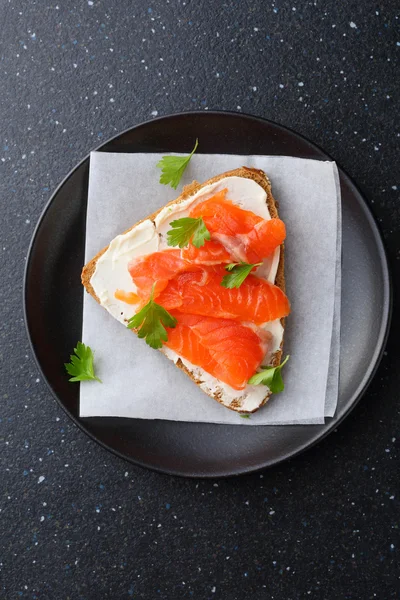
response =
{"points": [[139, 382]]}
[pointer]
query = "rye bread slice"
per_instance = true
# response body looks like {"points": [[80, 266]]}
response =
{"points": [[189, 190]]}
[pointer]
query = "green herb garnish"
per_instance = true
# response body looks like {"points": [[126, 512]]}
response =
{"points": [[81, 365], [238, 273], [173, 167], [150, 321], [188, 230], [244, 416], [271, 377]]}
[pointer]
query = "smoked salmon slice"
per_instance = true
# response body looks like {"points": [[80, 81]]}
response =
{"points": [[245, 236], [201, 293], [256, 245], [212, 253], [157, 268], [229, 351], [222, 216]]}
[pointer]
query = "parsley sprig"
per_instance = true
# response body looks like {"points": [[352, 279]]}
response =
{"points": [[173, 167], [238, 273], [150, 323], [81, 366], [271, 377], [188, 230]]}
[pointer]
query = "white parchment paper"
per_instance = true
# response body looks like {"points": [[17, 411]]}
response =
{"points": [[140, 382]]}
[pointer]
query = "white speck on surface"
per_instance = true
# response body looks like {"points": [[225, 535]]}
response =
{"points": [[112, 100], [126, 473], [271, 512], [255, 28], [213, 590], [41, 519], [353, 25], [394, 187], [300, 84], [41, 478], [90, 2], [154, 113], [254, 88], [281, 86], [27, 221]]}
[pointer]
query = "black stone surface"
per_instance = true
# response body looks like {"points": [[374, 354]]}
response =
{"points": [[79, 523]]}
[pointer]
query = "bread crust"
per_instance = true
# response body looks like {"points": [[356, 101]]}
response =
{"points": [[189, 190]]}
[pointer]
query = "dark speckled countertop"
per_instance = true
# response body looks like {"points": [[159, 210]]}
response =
{"points": [[78, 523]]}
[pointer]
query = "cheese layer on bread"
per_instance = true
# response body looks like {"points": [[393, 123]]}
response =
{"points": [[149, 236]]}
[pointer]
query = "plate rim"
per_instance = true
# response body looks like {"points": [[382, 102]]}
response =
{"points": [[387, 310]]}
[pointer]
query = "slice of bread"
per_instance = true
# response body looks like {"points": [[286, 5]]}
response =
{"points": [[261, 179]]}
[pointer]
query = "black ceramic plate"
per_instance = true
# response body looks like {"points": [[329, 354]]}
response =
{"points": [[54, 295]]}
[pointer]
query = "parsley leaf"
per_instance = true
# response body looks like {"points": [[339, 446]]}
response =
{"points": [[244, 416], [149, 323], [238, 273], [81, 365], [188, 230], [270, 376], [173, 167]]}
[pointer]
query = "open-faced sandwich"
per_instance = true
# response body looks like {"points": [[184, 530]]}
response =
{"points": [[202, 279]]}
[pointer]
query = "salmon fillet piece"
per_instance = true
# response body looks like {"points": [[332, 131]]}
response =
{"points": [[229, 351]]}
